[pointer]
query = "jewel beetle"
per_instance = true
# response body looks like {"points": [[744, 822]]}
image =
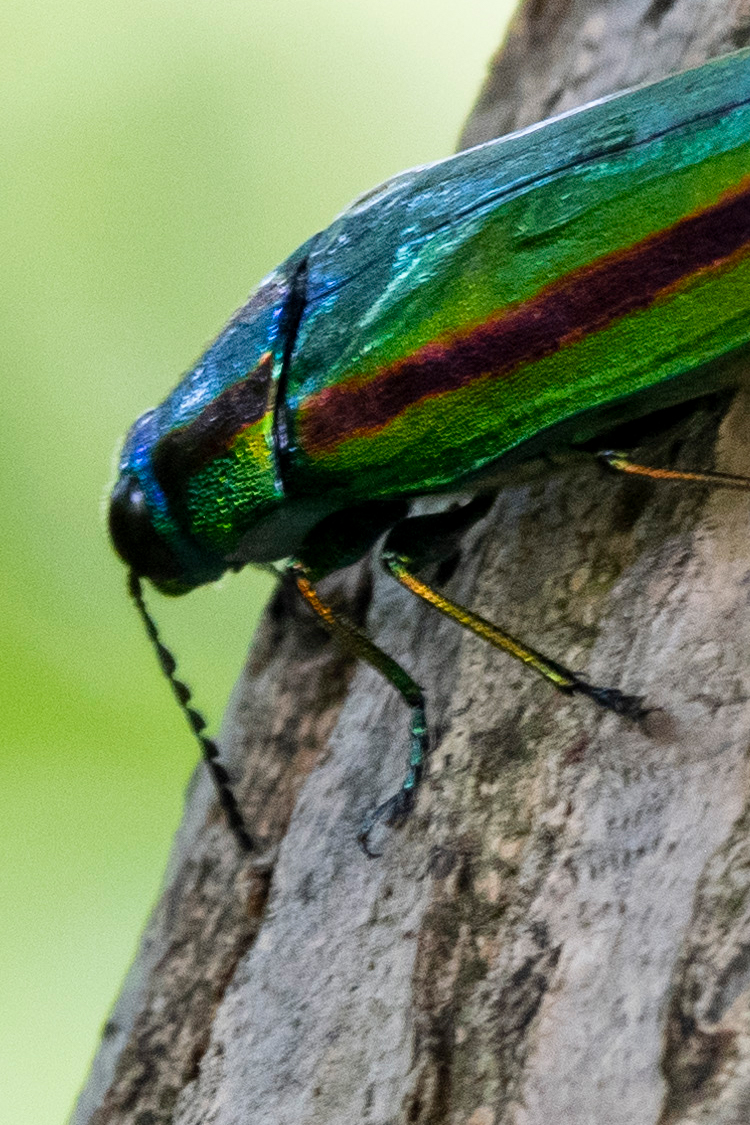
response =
{"points": [[511, 301]]}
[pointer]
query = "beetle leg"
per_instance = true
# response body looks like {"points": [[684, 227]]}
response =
{"points": [[403, 552], [621, 463], [395, 810]]}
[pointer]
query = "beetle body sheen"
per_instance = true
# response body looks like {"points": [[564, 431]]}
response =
{"points": [[514, 299]]}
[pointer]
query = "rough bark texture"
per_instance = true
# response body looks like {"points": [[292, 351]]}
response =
{"points": [[562, 931]]}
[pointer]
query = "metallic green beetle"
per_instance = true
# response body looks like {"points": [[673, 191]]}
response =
{"points": [[513, 300]]}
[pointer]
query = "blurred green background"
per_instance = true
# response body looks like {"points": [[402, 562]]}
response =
{"points": [[159, 158]]}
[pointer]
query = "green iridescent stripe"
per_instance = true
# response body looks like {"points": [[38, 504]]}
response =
{"points": [[433, 443], [494, 259], [229, 494]]}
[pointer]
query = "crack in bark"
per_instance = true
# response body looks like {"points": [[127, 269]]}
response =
{"points": [[707, 1032], [656, 12]]}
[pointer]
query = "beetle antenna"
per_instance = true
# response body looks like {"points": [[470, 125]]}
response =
{"points": [[209, 749]]}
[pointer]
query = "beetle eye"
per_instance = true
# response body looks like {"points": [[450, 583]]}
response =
{"points": [[134, 536]]}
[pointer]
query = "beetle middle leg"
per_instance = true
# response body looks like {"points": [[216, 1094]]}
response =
{"points": [[415, 541]]}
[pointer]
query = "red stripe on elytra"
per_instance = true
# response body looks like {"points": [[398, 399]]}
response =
{"points": [[587, 300]]}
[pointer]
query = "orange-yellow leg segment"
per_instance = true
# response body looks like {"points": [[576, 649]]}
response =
{"points": [[622, 464], [556, 674]]}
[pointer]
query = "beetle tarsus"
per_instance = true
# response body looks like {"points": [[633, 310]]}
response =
{"points": [[392, 813], [612, 699]]}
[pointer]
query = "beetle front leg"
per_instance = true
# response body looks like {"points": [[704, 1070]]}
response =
{"points": [[407, 547], [395, 810]]}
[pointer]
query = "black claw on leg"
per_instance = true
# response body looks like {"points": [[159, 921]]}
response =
{"points": [[612, 699], [392, 813]]}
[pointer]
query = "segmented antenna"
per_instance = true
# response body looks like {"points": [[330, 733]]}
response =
{"points": [[209, 749]]}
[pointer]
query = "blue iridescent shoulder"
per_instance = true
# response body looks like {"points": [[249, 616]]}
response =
{"points": [[415, 204], [255, 332]]}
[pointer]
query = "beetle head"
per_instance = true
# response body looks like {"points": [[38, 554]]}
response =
{"points": [[143, 521], [198, 477], [194, 485]]}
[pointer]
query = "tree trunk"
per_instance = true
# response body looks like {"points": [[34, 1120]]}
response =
{"points": [[561, 933]]}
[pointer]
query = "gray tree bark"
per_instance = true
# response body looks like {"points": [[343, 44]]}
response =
{"points": [[562, 930]]}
